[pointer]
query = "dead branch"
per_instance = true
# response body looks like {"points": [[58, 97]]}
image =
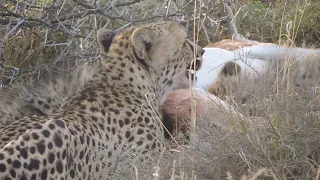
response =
{"points": [[232, 27]]}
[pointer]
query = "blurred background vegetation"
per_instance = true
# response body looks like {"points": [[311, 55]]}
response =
{"points": [[266, 22]]}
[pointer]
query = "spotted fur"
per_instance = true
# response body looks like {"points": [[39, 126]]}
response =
{"points": [[114, 116]]}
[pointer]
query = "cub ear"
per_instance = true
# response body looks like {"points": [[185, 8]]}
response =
{"points": [[142, 42], [104, 37]]}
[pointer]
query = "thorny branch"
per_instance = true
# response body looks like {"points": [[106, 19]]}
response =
{"points": [[55, 24]]}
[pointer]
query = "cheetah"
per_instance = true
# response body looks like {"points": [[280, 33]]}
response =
{"points": [[115, 116], [45, 98]]}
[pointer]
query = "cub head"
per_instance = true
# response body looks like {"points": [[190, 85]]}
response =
{"points": [[104, 38], [167, 53], [226, 78]]}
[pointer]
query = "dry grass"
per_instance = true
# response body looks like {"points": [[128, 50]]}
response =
{"points": [[279, 137], [260, 22]]}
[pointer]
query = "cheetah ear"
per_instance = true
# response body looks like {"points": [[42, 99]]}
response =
{"points": [[104, 38], [142, 41]]}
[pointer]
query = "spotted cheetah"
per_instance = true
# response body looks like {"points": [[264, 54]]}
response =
{"points": [[114, 117]]}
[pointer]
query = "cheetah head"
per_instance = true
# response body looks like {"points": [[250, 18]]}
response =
{"points": [[167, 52]]}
